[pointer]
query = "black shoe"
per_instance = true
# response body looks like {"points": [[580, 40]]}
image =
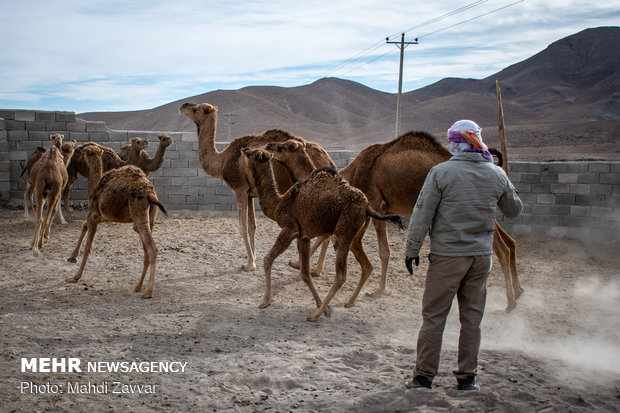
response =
{"points": [[467, 383], [419, 382]]}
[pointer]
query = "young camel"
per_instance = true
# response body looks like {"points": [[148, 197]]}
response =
{"points": [[48, 177], [32, 159], [391, 175], [110, 160], [119, 195], [135, 154], [229, 166], [322, 204]]}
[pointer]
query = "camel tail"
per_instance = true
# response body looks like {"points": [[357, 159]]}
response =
{"points": [[153, 200], [23, 172], [500, 157], [394, 219]]}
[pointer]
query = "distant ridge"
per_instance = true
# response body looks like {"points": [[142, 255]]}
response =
{"points": [[575, 79]]}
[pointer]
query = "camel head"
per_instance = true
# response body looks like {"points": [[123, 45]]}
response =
{"points": [[282, 150], [67, 150], [257, 155], [91, 152], [165, 140], [138, 144], [198, 112], [57, 138]]}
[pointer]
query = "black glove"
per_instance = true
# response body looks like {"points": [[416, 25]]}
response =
{"points": [[409, 261]]}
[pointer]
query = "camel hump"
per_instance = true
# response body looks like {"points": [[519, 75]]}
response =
{"points": [[327, 169]]}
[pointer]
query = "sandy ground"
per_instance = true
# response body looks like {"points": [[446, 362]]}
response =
{"points": [[557, 352]]}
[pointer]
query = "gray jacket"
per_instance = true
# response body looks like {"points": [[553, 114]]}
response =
{"points": [[457, 207]]}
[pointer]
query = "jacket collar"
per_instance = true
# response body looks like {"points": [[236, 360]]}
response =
{"points": [[469, 156]]}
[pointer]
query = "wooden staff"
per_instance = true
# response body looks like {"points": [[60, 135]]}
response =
{"points": [[502, 128]]}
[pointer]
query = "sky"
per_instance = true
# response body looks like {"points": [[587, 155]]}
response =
{"points": [[118, 55]]}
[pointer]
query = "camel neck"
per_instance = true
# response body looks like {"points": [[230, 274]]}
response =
{"points": [[302, 167], [95, 171], [268, 194], [157, 161], [209, 157]]}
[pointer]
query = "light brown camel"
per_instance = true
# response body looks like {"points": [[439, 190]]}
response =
{"points": [[391, 176], [110, 160], [48, 177], [32, 159], [135, 154], [230, 166], [322, 204], [120, 195]]}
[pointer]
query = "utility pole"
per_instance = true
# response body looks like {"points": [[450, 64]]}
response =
{"points": [[229, 122], [401, 45]]}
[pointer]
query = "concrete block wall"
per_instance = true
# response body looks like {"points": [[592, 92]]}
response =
{"points": [[572, 199], [575, 199]]}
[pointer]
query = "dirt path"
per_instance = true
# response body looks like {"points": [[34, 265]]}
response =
{"points": [[558, 351]]}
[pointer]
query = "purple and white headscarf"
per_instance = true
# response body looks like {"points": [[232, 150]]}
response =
{"points": [[466, 136]]}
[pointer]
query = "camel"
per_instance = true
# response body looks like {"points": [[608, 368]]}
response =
{"points": [[135, 154], [47, 178], [32, 159], [230, 166], [120, 195], [110, 160], [391, 176], [321, 205]]}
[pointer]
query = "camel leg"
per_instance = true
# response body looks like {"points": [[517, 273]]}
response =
{"points": [[317, 270], [384, 255], [147, 253], [38, 225], [92, 230], [28, 200], [342, 251], [303, 248], [65, 195], [251, 223], [284, 239], [60, 216], [242, 206], [76, 251], [150, 260], [501, 251], [367, 267], [318, 267], [49, 217]]}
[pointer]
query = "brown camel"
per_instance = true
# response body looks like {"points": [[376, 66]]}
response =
{"points": [[230, 166], [48, 177], [110, 160], [120, 195], [135, 154], [391, 176], [321, 205], [32, 159]]}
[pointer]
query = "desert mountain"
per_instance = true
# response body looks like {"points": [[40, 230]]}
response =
{"points": [[567, 94]]}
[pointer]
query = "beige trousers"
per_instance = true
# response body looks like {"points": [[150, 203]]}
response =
{"points": [[466, 278]]}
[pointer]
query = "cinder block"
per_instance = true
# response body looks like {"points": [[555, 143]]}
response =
{"points": [[45, 116], [98, 137], [599, 167], [589, 200], [66, 116], [2, 124], [545, 198], [42, 136], [25, 115], [7, 114], [613, 179], [95, 126], [186, 171], [518, 167], [17, 135], [541, 188], [560, 188], [580, 211], [189, 137], [14, 125], [602, 212], [588, 178], [176, 180], [550, 178], [529, 178], [60, 127], [568, 178], [580, 189], [565, 199], [77, 126]]}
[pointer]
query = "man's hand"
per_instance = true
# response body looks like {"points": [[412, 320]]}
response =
{"points": [[409, 261]]}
